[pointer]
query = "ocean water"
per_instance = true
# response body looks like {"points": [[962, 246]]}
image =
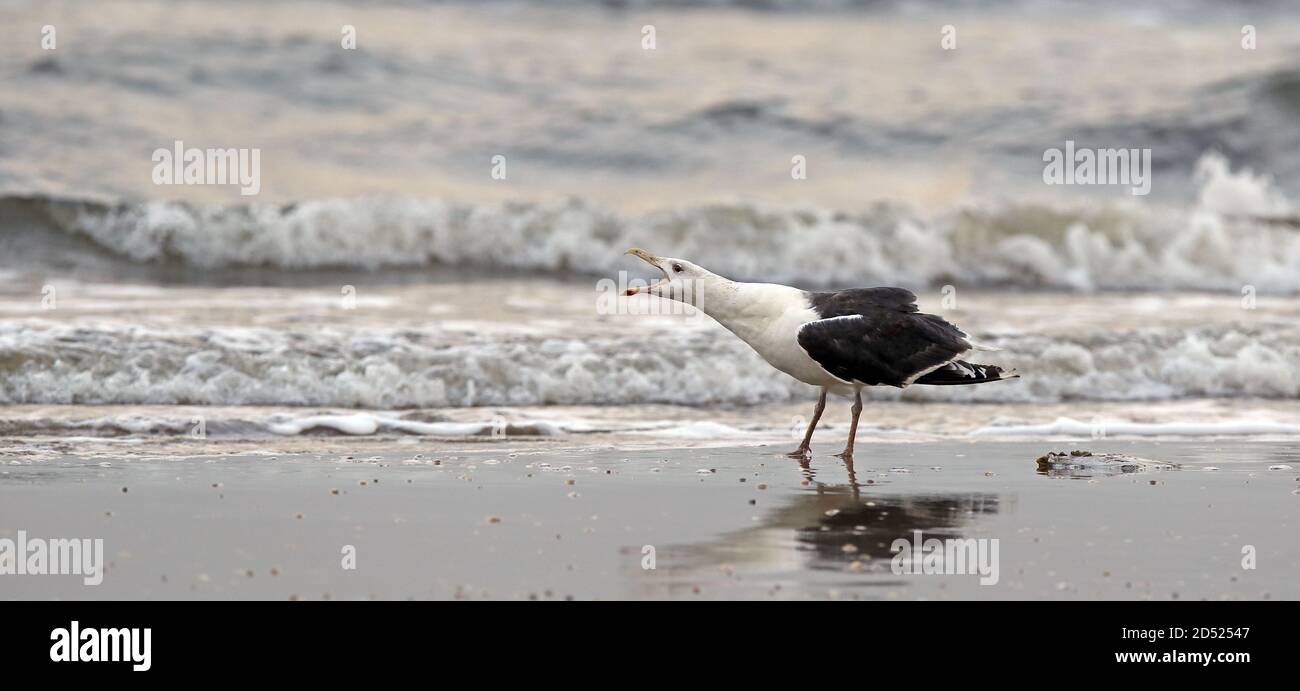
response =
{"points": [[384, 283]]}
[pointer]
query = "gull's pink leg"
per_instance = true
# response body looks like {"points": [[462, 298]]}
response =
{"points": [[803, 449], [853, 429]]}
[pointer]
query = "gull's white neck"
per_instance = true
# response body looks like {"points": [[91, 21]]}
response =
{"points": [[749, 310], [768, 317]]}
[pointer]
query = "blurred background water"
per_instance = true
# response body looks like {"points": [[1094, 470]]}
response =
{"points": [[924, 169]]}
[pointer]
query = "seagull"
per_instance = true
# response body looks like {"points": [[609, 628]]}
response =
{"points": [[839, 341]]}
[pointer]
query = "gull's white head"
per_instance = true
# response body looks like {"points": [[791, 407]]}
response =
{"points": [[682, 280]]}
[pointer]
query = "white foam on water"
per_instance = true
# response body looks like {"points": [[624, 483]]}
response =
{"points": [[356, 424], [699, 430], [1241, 193], [59, 363], [1069, 427], [359, 424], [1220, 243]]}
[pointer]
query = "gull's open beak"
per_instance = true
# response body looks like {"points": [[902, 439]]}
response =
{"points": [[654, 261]]}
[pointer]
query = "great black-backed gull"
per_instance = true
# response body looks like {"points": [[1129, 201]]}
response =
{"points": [[838, 341]]}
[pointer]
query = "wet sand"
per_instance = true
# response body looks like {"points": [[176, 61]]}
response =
{"points": [[525, 521]]}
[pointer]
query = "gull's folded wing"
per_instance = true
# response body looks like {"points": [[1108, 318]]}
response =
{"points": [[875, 336]]}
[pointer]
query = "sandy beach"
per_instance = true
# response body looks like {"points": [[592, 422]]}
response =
{"points": [[521, 520]]}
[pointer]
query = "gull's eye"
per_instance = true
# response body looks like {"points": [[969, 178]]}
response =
{"points": [[677, 268]]}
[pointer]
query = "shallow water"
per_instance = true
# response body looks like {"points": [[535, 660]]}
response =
{"points": [[534, 340], [375, 272]]}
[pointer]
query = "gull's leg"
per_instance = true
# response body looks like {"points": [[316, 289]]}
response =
{"points": [[802, 451], [853, 428]]}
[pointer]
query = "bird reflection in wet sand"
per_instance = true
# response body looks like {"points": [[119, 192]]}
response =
{"points": [[838, 515], [842, 530]]}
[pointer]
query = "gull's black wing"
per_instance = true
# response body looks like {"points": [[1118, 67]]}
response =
{"points": [[876, 336]]}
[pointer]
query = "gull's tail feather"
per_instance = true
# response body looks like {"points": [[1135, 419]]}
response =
{"points": [[962, 372]]}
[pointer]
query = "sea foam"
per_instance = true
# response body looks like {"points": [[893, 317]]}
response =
{"points": [[1238, 233], [53, 363]]}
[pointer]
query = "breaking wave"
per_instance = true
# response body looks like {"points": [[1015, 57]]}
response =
{"points": [[64, 364], [1239, 232]]}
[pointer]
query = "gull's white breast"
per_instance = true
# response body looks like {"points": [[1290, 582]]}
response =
{"points": [[768, 318]]}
